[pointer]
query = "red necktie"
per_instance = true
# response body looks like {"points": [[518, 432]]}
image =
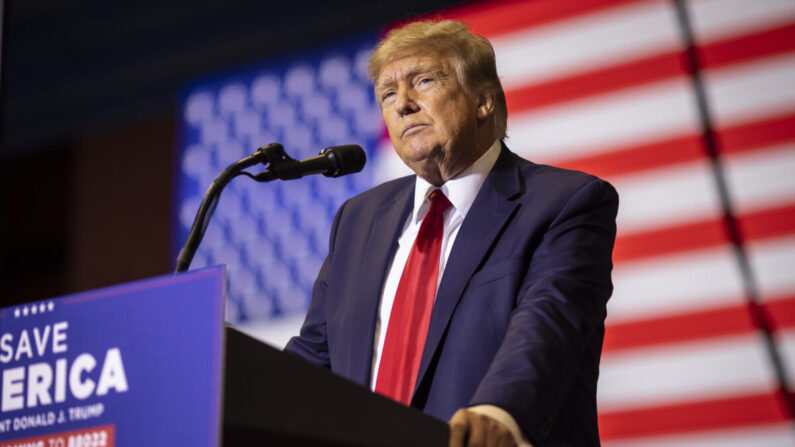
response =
{"points": [[411, 311]]}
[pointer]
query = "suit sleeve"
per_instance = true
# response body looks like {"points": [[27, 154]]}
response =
{"points": [[554, 336], [312, 342]]}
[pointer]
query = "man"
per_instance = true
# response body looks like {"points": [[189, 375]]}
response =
{"points": [[484, 303]]}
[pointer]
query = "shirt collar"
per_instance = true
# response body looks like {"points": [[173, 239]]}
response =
{"points": [[460, 190]]}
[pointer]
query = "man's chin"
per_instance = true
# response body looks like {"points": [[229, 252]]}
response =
{"points": [[428, 171]]}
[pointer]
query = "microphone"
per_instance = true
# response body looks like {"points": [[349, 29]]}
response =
{"points": [[334, 161]]}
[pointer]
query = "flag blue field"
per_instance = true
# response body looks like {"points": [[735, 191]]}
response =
{"points": [[274, 236]]}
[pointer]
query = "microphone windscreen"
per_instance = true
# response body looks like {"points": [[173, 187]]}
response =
{"points": [[345, 159]]}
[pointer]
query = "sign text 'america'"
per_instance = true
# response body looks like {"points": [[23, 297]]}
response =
{"points": [[39, 383]]}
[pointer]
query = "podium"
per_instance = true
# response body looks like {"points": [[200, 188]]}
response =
{"points": [[305, 405], [152, 363]]}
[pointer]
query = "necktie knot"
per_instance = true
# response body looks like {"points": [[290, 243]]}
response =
{"points": [[439, 202]]}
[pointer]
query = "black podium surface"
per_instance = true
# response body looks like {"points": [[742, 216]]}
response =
{"points": [[273, 398]]}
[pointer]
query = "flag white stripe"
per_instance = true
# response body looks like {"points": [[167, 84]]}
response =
{"points": [[773, 264], [674, 284], [762, 178], [638, 115], [684, 372], [666, 196], [752, 90], [698, 280], [684, 193], [548, 51], [722, 19]]}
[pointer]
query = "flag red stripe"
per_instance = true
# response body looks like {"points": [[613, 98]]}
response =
{"points": [[767, 223], [636, 158], [749, 136], [756, 225], [690, 326], [651, 69], [492, 19], [683, 149], [699, 325], [693, 416], [595, 82], [751, 46], [780, 311], [668, 240]]}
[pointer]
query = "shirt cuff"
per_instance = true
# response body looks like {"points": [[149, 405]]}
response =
{"points": [[505, 419]]}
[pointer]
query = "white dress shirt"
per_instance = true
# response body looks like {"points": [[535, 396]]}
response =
{"points": [[461, 192]]}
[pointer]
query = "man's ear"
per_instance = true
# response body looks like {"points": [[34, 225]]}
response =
{"points": [[486, 100]]}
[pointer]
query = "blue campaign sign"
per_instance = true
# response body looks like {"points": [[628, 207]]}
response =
{"points": [[131, 365]]}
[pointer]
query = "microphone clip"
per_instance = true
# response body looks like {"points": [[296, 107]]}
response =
{"points": [[280, 165]]}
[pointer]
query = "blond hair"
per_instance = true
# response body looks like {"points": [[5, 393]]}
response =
{"points": [[472, 57]]}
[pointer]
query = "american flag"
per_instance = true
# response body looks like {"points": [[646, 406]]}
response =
{"points": [[687, 107], [700, 341]]}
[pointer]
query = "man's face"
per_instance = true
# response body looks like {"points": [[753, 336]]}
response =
{"points": [[432, 121]]}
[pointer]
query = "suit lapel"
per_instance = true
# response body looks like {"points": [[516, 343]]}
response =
{"points": [[490, 211], [385, 228]]}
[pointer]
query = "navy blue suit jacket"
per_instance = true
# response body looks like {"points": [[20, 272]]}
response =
{"points": [[518, 320]]}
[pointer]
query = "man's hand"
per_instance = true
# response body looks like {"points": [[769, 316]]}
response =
{"points": [[470, 429]]}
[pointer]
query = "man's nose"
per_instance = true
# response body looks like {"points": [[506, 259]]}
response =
{"points": [[406, 103]]}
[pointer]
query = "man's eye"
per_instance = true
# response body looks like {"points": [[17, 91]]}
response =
{"points": [[387, 95], [426, 80]]}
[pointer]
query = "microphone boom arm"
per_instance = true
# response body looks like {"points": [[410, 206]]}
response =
{"points": [[269, 153]]}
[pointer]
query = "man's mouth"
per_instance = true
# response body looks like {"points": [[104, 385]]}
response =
{"points": [[410, 127]]}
